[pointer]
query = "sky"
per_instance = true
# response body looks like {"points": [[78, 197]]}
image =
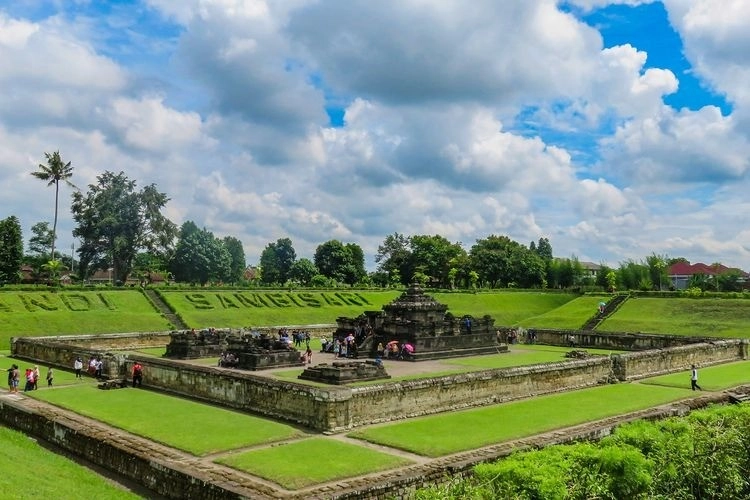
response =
{"points": [[616, 129]]}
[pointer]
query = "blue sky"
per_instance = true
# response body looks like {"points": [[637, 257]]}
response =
{"points": [[614, 128]]}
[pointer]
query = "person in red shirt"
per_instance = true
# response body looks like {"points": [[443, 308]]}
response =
{"points": [[137, 374]]}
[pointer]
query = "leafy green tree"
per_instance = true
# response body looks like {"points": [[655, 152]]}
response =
{"points": [[432, 256], [276, 261], [393, 258], [115, 221], [41, 239], [53, 268], [700, 281], [500, 261], [11, 250], [237, 255], [631, 275], [146, 264], [303, 271], [201, 258], [544, 249], [657, 268], [731, 280], [52, 173], [340, 262]]}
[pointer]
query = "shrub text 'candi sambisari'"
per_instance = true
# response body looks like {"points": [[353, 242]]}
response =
{"points": [[279, 299]]}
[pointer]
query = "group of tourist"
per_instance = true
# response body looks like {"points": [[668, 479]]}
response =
{"points": [[31, 376], [96, 367], [228, 360], [345, 347]]}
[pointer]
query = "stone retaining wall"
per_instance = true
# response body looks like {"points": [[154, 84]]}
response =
{"points": [[621, 341], [336, 409]]}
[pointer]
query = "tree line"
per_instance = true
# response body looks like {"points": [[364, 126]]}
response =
{"points": [[121, 228]]}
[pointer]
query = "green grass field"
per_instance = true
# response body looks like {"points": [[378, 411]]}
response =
{"points": [[517, 355], [84, 312], [508, 308], [194, 427], [709, 317], [569, 316], [316, 460], [31, 471], [710, 378], [453, 432], [235, 309]]}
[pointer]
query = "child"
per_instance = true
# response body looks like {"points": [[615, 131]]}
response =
{"points": [[308, 355]]}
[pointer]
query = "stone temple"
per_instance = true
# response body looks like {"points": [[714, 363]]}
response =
{"points": [[418, 319]]}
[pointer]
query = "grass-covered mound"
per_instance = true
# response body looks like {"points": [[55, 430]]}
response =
{"points": [[194, 427], [31, 471], [76, 312], [316, 460], [729, 318], [569, 316], [267, 308], [452, 432]]}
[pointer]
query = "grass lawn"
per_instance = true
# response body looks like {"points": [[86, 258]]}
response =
{"points": [[194, 427], [452, 432], [153, 351], [60, 377], [31, 471], [710, 378], [311, 461], [569, 316], [244, 308], [710, 317], [84, 312], [518, 355], [508, 308]]}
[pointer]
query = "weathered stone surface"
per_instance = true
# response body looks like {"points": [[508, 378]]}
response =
{"points": [[344, 372]]}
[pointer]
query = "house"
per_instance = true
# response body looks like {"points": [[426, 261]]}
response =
{"points": [[680, 273]]}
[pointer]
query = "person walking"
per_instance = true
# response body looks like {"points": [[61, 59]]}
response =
{"points": [[78, 366], [50, 376], [694, 378]]}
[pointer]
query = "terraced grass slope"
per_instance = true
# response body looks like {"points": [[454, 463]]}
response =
{"points": [[264, 308], [729, 318], [76, 312], [569, 316]]}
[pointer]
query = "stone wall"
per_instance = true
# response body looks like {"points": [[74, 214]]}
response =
{"points": [[620, 341], [637, 365], [106, 341], [395, 400], [52, 352]]}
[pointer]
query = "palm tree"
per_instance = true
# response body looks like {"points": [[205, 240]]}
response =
{"points": [[53, 172]]}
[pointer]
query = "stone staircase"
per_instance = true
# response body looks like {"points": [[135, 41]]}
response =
{"points": [[164, 309], [612, 306]]}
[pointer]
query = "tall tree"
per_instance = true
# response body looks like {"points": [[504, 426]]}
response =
{"points": [[200, 257], [115, 221], [276, 261], [500, 261], [393, 258], [52, 173], [41, 239], [238, 264], [343, 263], [432, 256], [11, 250], [303, 271]]}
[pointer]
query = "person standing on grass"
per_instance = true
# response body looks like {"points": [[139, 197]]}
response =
{"points": [[694, 378], [50, 376], [137, 374], [36, 377], [78, 366]]}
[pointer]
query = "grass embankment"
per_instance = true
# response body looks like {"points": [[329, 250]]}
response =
{"points": [[508, 308], [263, 308], [710, 378], [312, 461], [31, 471], [729, 318], [196, 428], [569, 316], [453, 432], [244, 308], [80, 312]]}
